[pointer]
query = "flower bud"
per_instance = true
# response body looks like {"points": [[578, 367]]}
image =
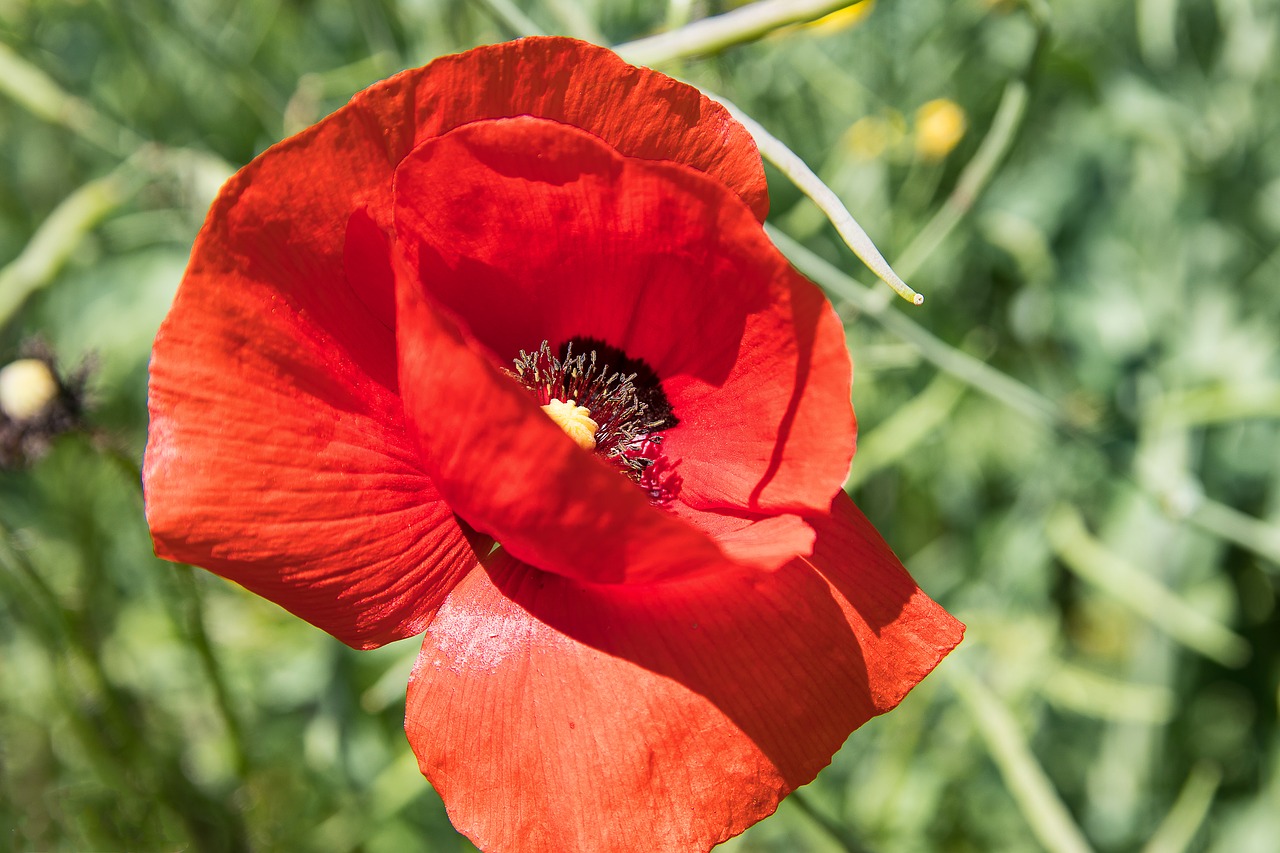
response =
{"points": [[38, 403], [27, 388]]}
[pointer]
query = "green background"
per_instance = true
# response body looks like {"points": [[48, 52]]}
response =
{"points": [[1072, 443]]}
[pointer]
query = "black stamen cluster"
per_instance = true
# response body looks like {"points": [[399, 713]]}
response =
{"points": [[626, 412], [647, 384]]}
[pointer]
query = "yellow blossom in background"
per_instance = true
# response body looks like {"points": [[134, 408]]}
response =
{"points": [[842, 19], [940, 125], [835, 22], [870, 137]]}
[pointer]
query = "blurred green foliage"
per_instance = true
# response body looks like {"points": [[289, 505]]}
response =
{"points": [[1112, 540]]}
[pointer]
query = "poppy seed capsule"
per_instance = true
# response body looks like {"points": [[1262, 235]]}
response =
{"points": [[575, 420], [27, 387]]}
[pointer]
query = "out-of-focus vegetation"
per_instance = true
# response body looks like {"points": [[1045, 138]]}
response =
{"points": [[1073, 443]]}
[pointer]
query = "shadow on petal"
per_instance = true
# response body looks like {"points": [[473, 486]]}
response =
{"points": [[573, 717]]}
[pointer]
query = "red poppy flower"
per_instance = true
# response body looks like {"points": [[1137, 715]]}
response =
{"points": [[650, 615]]}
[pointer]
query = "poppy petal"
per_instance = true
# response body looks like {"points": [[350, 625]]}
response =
{"points": [[506, 468], [754, 540], [277, 458], [639, 112], [778, 433], [518, 227], [294, 201], [555, 716], [336, 177]]}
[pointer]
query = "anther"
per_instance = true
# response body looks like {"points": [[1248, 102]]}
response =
{"points": [[615, 408]]}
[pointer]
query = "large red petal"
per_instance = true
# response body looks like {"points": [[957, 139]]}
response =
{"points": [[291, 206], [553, 716], [247, 472], [639, 112], [529, 230], [277, 457]]}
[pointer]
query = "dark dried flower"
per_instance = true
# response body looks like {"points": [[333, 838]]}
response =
{"points": [[38, 403]]}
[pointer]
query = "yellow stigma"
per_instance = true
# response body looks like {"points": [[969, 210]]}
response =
{"points": [[575, 420]]}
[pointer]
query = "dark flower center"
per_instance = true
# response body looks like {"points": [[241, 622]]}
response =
{"points": [[608, 403]]}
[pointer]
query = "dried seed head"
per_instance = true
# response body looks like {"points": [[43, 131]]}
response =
{"points": [[37, 404]]}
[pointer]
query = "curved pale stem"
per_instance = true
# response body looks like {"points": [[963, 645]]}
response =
{"points": [[791, 165]]}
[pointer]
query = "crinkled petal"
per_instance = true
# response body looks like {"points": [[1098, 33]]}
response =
{"points": [[640, 112], [778, 433], [277, 457], [294, 238], [292, 204], [299, 194], [751, 539], [555, 716], [528, 230]]}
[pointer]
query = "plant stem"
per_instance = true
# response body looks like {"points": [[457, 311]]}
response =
{"points": [[838, 833], [1092, 561], [510, 16], [711, 35], [59, 235], [791, 165], [34, 90], [1026, 780], [959, 364]]}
